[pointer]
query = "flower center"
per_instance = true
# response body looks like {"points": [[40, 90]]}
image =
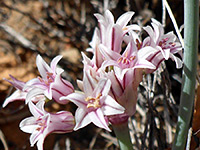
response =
{"points": [[49, 80], [163, 43], [93, 102], [42, 124], [125, 60]]}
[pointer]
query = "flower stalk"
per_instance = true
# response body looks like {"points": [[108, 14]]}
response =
{"points": [[191, 18], [123, 135]]}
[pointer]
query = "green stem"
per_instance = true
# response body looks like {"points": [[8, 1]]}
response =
{"points": [[191, 18], [123, 136]]}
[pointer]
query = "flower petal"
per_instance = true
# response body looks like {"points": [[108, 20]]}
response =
{"points": [[40, 143], [16, 83], [98, 119], [28, 125], [111, 107], [16, 96], [35, 137], [108, 54], [82, 118], [42, 66], [89, 83], [109, 17], [37, 110], [116, 87], [103, 87], [54, 62], [124, 19], [76, 98], [33, 93]]}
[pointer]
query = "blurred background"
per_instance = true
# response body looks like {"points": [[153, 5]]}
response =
{"points": [[52, 27]]}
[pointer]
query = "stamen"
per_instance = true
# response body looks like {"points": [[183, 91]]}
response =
{"points": [[93, 102], [41, 80], [172, 44], [120, 60], [46, 82], [132, 58], [124, 61], [125, 28], [126, 54], [49, 79], [165, 40], [49, 73], [42, 124]]}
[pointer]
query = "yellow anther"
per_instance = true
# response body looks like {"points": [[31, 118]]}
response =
{"points": [[132, 58], [93, 102], [119, 60], [125, 28]]}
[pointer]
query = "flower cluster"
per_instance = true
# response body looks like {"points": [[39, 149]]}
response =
{"points": [[110, 78]]}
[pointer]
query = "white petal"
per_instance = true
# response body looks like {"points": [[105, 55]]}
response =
{"points": [[32, 83], [35, 136], [16, 96], [42, 66], [165, 53], [95, 38], [146, 51], [80, 84], [111, 107], [98, 119], [58, 71], [103, 87], [150, 31], [76, 98], [40, 144], [82, 118], [109, 54], [28, 125], [54, 62], [145, 64], [86, 60], [35, 110], [33, 93], [116, 86], [124, 18], [89, 83], [16, 83], [40, 105], [177, 60], [109, 17]]}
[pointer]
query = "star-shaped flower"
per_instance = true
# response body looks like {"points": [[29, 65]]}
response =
{"points": [[95, 103], [20, 94], [42, 123], [52, 85], [165, 45]]}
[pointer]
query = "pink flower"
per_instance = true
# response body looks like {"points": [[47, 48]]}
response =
{"points": [[94, 105], [19, 94], [128, 61], [51, 84], [43, 123], [125, 93], [165, 45], [110, 34], [125, 71]]}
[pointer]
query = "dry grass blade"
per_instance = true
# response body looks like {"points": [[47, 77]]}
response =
{"points": [[91, 145], [110, 138], [3, 140], [173, 21]]}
